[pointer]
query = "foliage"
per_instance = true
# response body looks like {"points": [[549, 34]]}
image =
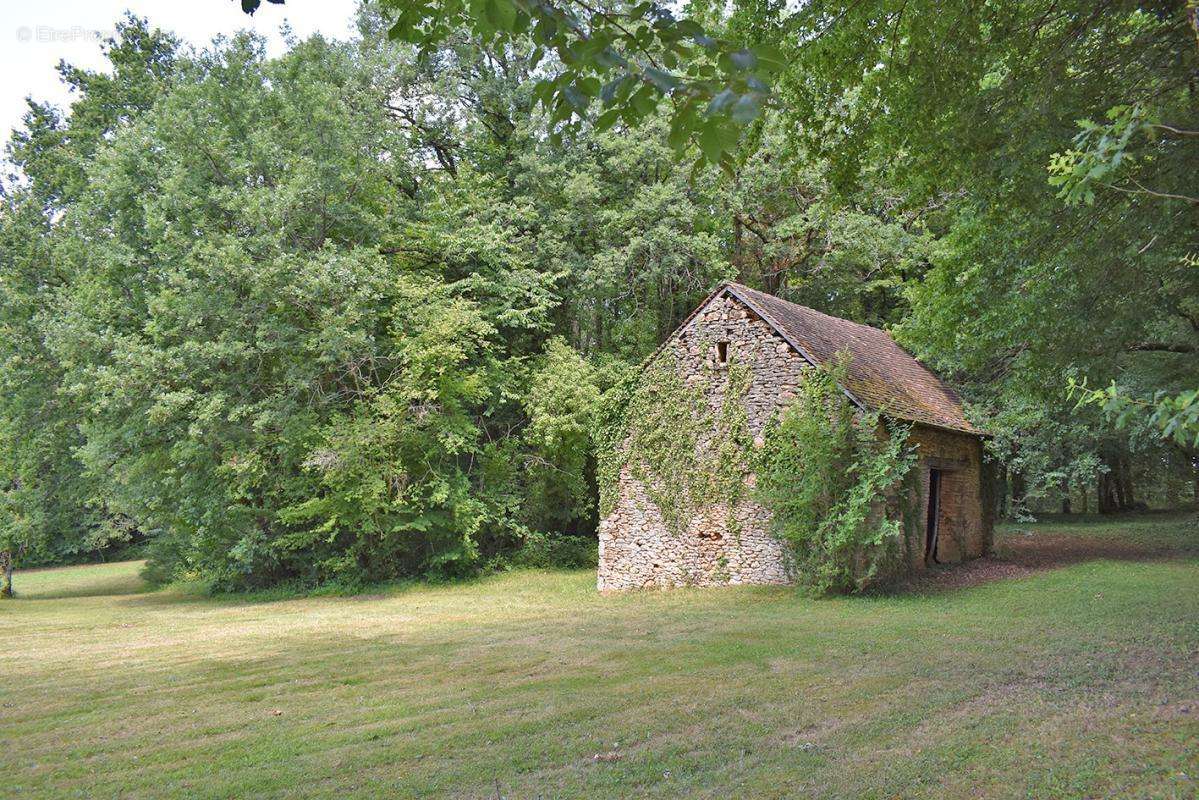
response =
{"points": [[1104, 152], [689, 455], [260, 354], [395, 492], [563, 395], [49, 510], [822, 472], [1177, 417], [623, 57], [220, 272], [543, 551], [987, 115]]}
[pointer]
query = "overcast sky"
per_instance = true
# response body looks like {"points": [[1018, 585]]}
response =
{"points": [[34, 36]]}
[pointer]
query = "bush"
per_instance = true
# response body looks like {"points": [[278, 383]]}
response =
{"points": [[823, 472], [545, 551]]}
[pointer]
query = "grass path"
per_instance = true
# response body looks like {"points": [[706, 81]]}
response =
{"points": [[1081, 681]]}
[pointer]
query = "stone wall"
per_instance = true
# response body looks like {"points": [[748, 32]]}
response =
{"points": [[964, 529], [636, 548]]}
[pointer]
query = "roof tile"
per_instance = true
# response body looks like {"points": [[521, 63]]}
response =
{"points": [[882, 375]]}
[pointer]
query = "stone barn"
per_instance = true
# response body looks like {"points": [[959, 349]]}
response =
{"points": [[776, 341]]}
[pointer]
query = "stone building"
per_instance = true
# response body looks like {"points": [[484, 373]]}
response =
{"points": [[777, 341]]}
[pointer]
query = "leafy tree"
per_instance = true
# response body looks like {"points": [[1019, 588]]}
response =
{"points": [[345, 314], [48, 509], [976, 109], [619, 60], [561, 405]]}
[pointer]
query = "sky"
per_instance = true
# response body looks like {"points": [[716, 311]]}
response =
{"points": [[35, 36]]}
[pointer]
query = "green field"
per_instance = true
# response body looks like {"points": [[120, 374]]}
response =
{"points": [[1072, 674]]}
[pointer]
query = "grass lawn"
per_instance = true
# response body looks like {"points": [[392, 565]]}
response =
{"points": [[1070, 679]]}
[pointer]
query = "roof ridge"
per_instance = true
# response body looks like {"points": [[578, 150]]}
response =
{"points": [[817, 335], [825, 314]]}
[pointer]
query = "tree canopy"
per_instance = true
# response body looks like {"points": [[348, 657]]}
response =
{"points": [[350, 313]]}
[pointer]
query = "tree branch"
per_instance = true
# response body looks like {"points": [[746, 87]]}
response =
{"points": [[1141, 189], [1163, 347], [1173, 130]]}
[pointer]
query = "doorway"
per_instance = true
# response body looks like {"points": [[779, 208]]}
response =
{"points": [[934, 514]]}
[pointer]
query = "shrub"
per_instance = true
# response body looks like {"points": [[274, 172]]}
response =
{"points": [[823, 472], [550, 551]]}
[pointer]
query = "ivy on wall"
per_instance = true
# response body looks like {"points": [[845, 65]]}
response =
{"points": [[821, 470], [688, 455]]}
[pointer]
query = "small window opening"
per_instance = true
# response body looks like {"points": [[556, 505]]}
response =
{"points": [[722, 352]]}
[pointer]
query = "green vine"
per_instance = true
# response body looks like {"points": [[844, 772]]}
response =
{"points": [[908, 507], [821, 473], [688, 456]]}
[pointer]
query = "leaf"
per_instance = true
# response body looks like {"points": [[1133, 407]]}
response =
{"points": [[607, 119], [770, 57], [677, 137], [710, 143], [612, 88], [543, 90], [501, 14], [577, 98], [747, 108], [400, 30], [721, 101], [743, 59], [608, 58], [757, 84], [644, 101], [665, 82], [562, 111], [589, 86]]}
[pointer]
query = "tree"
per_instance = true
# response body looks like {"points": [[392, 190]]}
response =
{"points": [[623, 58], [48, 511]]}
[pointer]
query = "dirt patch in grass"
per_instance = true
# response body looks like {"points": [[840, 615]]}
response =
{"points": [[1022, 552]]}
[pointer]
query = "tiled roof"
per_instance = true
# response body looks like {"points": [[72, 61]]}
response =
{"points": [[882, 375]]}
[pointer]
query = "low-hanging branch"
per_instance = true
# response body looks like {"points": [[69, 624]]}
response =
{"points": [[1163, 347]]}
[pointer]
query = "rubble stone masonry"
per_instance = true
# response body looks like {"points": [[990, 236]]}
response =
{"points": [[637, 549]]}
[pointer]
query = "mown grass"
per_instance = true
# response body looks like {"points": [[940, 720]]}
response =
{"points": [[1074, 682]]}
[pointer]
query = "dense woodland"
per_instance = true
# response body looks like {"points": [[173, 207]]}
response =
{"points": [[351, 313]]}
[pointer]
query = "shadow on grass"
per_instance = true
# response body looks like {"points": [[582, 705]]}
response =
{"points": [[91, 586], [1057, 542], [197, 592]]}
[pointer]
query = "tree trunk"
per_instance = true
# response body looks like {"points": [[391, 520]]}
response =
{"points": [[1195, 475], [1065, 497], [1017, 491], [1003, 492], [6, 567], [1119, 485], [1107, 494], [1128, 500]]}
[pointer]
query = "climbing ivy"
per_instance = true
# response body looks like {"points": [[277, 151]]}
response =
{"points": [[821, 472], [688, 455], [821, 469]]}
